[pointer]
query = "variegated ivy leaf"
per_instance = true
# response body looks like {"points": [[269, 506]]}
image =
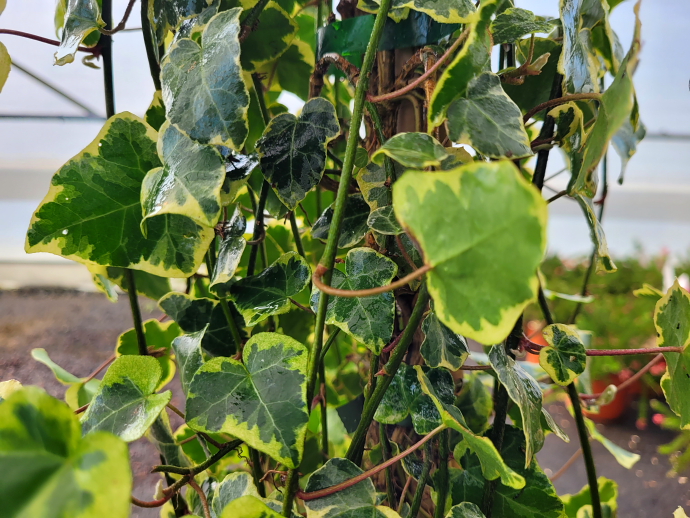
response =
{"points": [[373, 183], [159, 338], [293, 150], [54, 471], [368, 320], [604, 261], [155, 113], [525, 392], [405, 397], [492, 465], [627, 138], [80, 391], [372, 6], [234, 486], [194, 314], [161, 435], [203, 88], [384, 222], [354, 226], [672, 322], [580, 504], [465, 510], [577, 64], [356, 501], [261, 401], [7, 388], [260, 296], [475, 403], [272, 36], [82, 17], [188, 183], [648, 291], [296, 63], [126, 403], [416, 150], [237, 170], [5, 65], [565, 358], [229, 254], [189, 356], [569, 121], [107, 277], [488, 120], [514, 23], [249, 507], [166, 15], [472, 60], [615, 108], [461, 217], [441, 346], [537, 498], [92, 212], [624, 457], [453, 11]]}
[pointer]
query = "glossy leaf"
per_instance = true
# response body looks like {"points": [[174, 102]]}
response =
{"points": [[465, 510], [624, 457], [98, 191], [672, 322], [416, 150], [148, 285], [461, 217], [248, 507], [155, 113], [372, 182], [604, 261], [5, 65], [159, 338], [82, 17], [625, 141], [579, 505], [54, 471], [441, 346], [565, 357], [514, 23], [272, 36], [229, 254], [292, 150], [577, 64], [525, 392], [353, 227], [238, 168], [194, 314], [383, 221], [475, 403], [166, 15], [189, 355], [203, 88], [488, 120], [492, 465], [261, 401], [404, 397], [368, 320], [293, 67], [472, 60], [161, 435], [536, 499], [234, 485], [79, 391], [355, 502], [268, 293], [188, 183], [125, 403]]}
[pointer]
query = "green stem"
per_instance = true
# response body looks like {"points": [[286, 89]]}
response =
{"points": [[154, 67], [254, 14], [136, 312], [106, 44], [291, 487], [232, 325], [354, 453], [421, 483], [257, 472], [324, 410], [296, 236], [194, 470], [441, 478], [258, 227], [386, 452], [328, 344]]}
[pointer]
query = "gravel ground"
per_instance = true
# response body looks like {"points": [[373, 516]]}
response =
{"points": [[79, 331]]}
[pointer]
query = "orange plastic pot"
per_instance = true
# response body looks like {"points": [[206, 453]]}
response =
{"points": [[616, 408]]}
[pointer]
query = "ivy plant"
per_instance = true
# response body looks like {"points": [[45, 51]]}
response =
{"points": [[344, 264]]}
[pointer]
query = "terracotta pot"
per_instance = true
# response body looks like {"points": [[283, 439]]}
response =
{"points": [[533, 331]]}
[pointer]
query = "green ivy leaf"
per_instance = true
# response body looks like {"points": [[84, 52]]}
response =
{"points": [[417, 150], [272, 36], [5, 65], [155, 113], [625, 140], [383, 221], [82, 17], [261, 401], [292, 68], [159, 338], [234, 486], [358, 501], [475, 403], [372, 181], [672, 322], [79, 391], [577, 64], [292, 150], [488, 120], [441, 346], [514, 23], [229, 254], [368, 320], [260, 296], [238, 169], [248, 507], [99, 190], [189, 356], [604, 261], [624, 457], [354, 225], [203, 88], [107, 277], [537, 498], [166, 15], [525, 392], [189, 182], [473, 59], [465, 510], [126, 403], [7, 388], [579, 505], [454, 11], [56, 472], [508, 222], [161, 435], [566, 357], [492, 465], [405, 397], [195, 314]]}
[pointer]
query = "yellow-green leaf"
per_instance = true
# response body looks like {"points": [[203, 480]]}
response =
{"points": [[5, 65], [565, 357]]}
